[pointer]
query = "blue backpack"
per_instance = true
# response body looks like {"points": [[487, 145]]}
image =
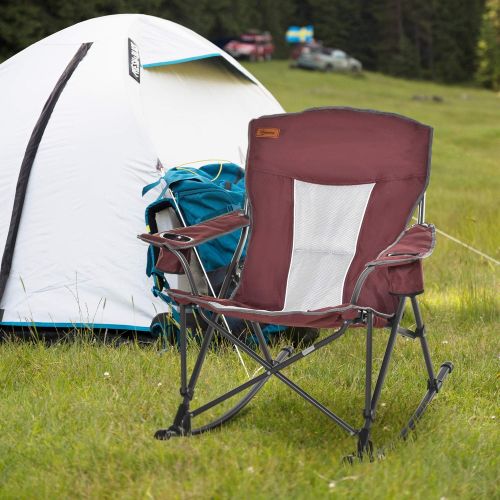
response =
{"points": [[205, 193], [201, 194]]}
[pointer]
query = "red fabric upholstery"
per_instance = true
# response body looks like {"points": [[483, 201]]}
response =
{"points": [[192, 236], [404, 273], [416, 242], [270, 244], [341, 146], [397, 269], [168, 262], [331, 317], [406, 279], [330, 146]]}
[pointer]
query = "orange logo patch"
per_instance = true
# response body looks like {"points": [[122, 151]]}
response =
{"points": [[270, 133]]}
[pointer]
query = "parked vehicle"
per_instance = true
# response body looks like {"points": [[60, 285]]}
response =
{"points": [[326, 59], [299, 48], [253, 45]]}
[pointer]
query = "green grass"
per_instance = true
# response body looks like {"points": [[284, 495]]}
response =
{"points": [[69, 430]]}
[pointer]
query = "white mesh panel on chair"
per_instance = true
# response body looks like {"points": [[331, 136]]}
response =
{"points": [[327, 220]]}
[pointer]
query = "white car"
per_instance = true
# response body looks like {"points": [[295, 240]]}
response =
{"points": [[326, 59]]}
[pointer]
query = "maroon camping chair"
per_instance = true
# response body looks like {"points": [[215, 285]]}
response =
{"points": [[331, 193]]}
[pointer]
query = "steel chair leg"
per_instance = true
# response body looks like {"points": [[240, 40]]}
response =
{"points": [[434, 383], [365, 445], [182, 421]]}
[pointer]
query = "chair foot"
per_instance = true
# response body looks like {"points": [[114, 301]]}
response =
{"points": [[364, 449], [365, 446], [360, 456], [166, 434], [368, 452], [448, 366], [181, 425], [349, 459]]}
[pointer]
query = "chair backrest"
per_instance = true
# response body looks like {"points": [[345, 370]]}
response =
{"points": [[329, 189]]}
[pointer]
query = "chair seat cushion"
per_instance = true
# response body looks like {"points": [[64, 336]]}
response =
{"points": [[327, 317]]}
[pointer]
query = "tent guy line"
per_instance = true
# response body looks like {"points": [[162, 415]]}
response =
{"points": [[465, 245]]}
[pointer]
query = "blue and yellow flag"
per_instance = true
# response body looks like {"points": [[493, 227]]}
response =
{"points": [[298, 34]]}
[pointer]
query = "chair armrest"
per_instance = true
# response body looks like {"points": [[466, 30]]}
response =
{"points": [[415, 243], [187, 237], [403, 260]]}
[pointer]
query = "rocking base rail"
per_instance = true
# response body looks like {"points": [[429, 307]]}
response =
{"points": [[186, 415], [445, 369], [182, 421]]}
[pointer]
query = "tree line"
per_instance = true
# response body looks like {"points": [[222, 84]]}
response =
{"points": [[443, 40]]}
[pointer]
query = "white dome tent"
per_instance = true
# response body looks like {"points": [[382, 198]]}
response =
{"points": [[86, 115]]}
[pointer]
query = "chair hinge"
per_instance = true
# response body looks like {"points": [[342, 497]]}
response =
{"points": [[189, 393], [182, 420], [420, 332], [362, 318], [433, 385]]}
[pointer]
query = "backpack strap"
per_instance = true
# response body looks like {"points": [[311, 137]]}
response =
{"points": [[149, 187], [222, 173]]}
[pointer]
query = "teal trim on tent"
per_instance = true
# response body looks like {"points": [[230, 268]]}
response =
{"points": [[92, 326], [180, 61]]}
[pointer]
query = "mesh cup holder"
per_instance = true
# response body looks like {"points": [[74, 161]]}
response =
{"points": [[176, 237]]}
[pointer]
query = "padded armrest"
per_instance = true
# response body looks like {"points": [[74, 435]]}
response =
{"points": [[191, 236], [415, 243]]}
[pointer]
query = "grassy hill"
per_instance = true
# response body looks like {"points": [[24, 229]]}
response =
{"points": [[77, 418]]}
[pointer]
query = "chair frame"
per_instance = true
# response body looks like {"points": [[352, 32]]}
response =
{"points": [[182, 424]]}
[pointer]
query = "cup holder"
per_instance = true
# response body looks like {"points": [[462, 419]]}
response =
{"points": [[401, 254], [176, 237]]}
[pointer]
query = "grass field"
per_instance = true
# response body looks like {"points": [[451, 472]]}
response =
{"points": [[77, 418]]}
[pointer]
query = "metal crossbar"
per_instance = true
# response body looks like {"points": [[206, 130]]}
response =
{"points": [[274, 367], [275, 370]]}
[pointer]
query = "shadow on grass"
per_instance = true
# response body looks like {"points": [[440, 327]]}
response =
{"points": [[53, 336]]}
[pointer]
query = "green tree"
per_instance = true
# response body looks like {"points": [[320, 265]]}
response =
{"points": [[456, 29], [337, 23], [20, 26], [488, 72], [435, 39], [397, 52], [276, 16]]}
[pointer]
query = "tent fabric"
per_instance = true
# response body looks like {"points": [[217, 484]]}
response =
{"points": [[76, 260], [27, 164]]}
